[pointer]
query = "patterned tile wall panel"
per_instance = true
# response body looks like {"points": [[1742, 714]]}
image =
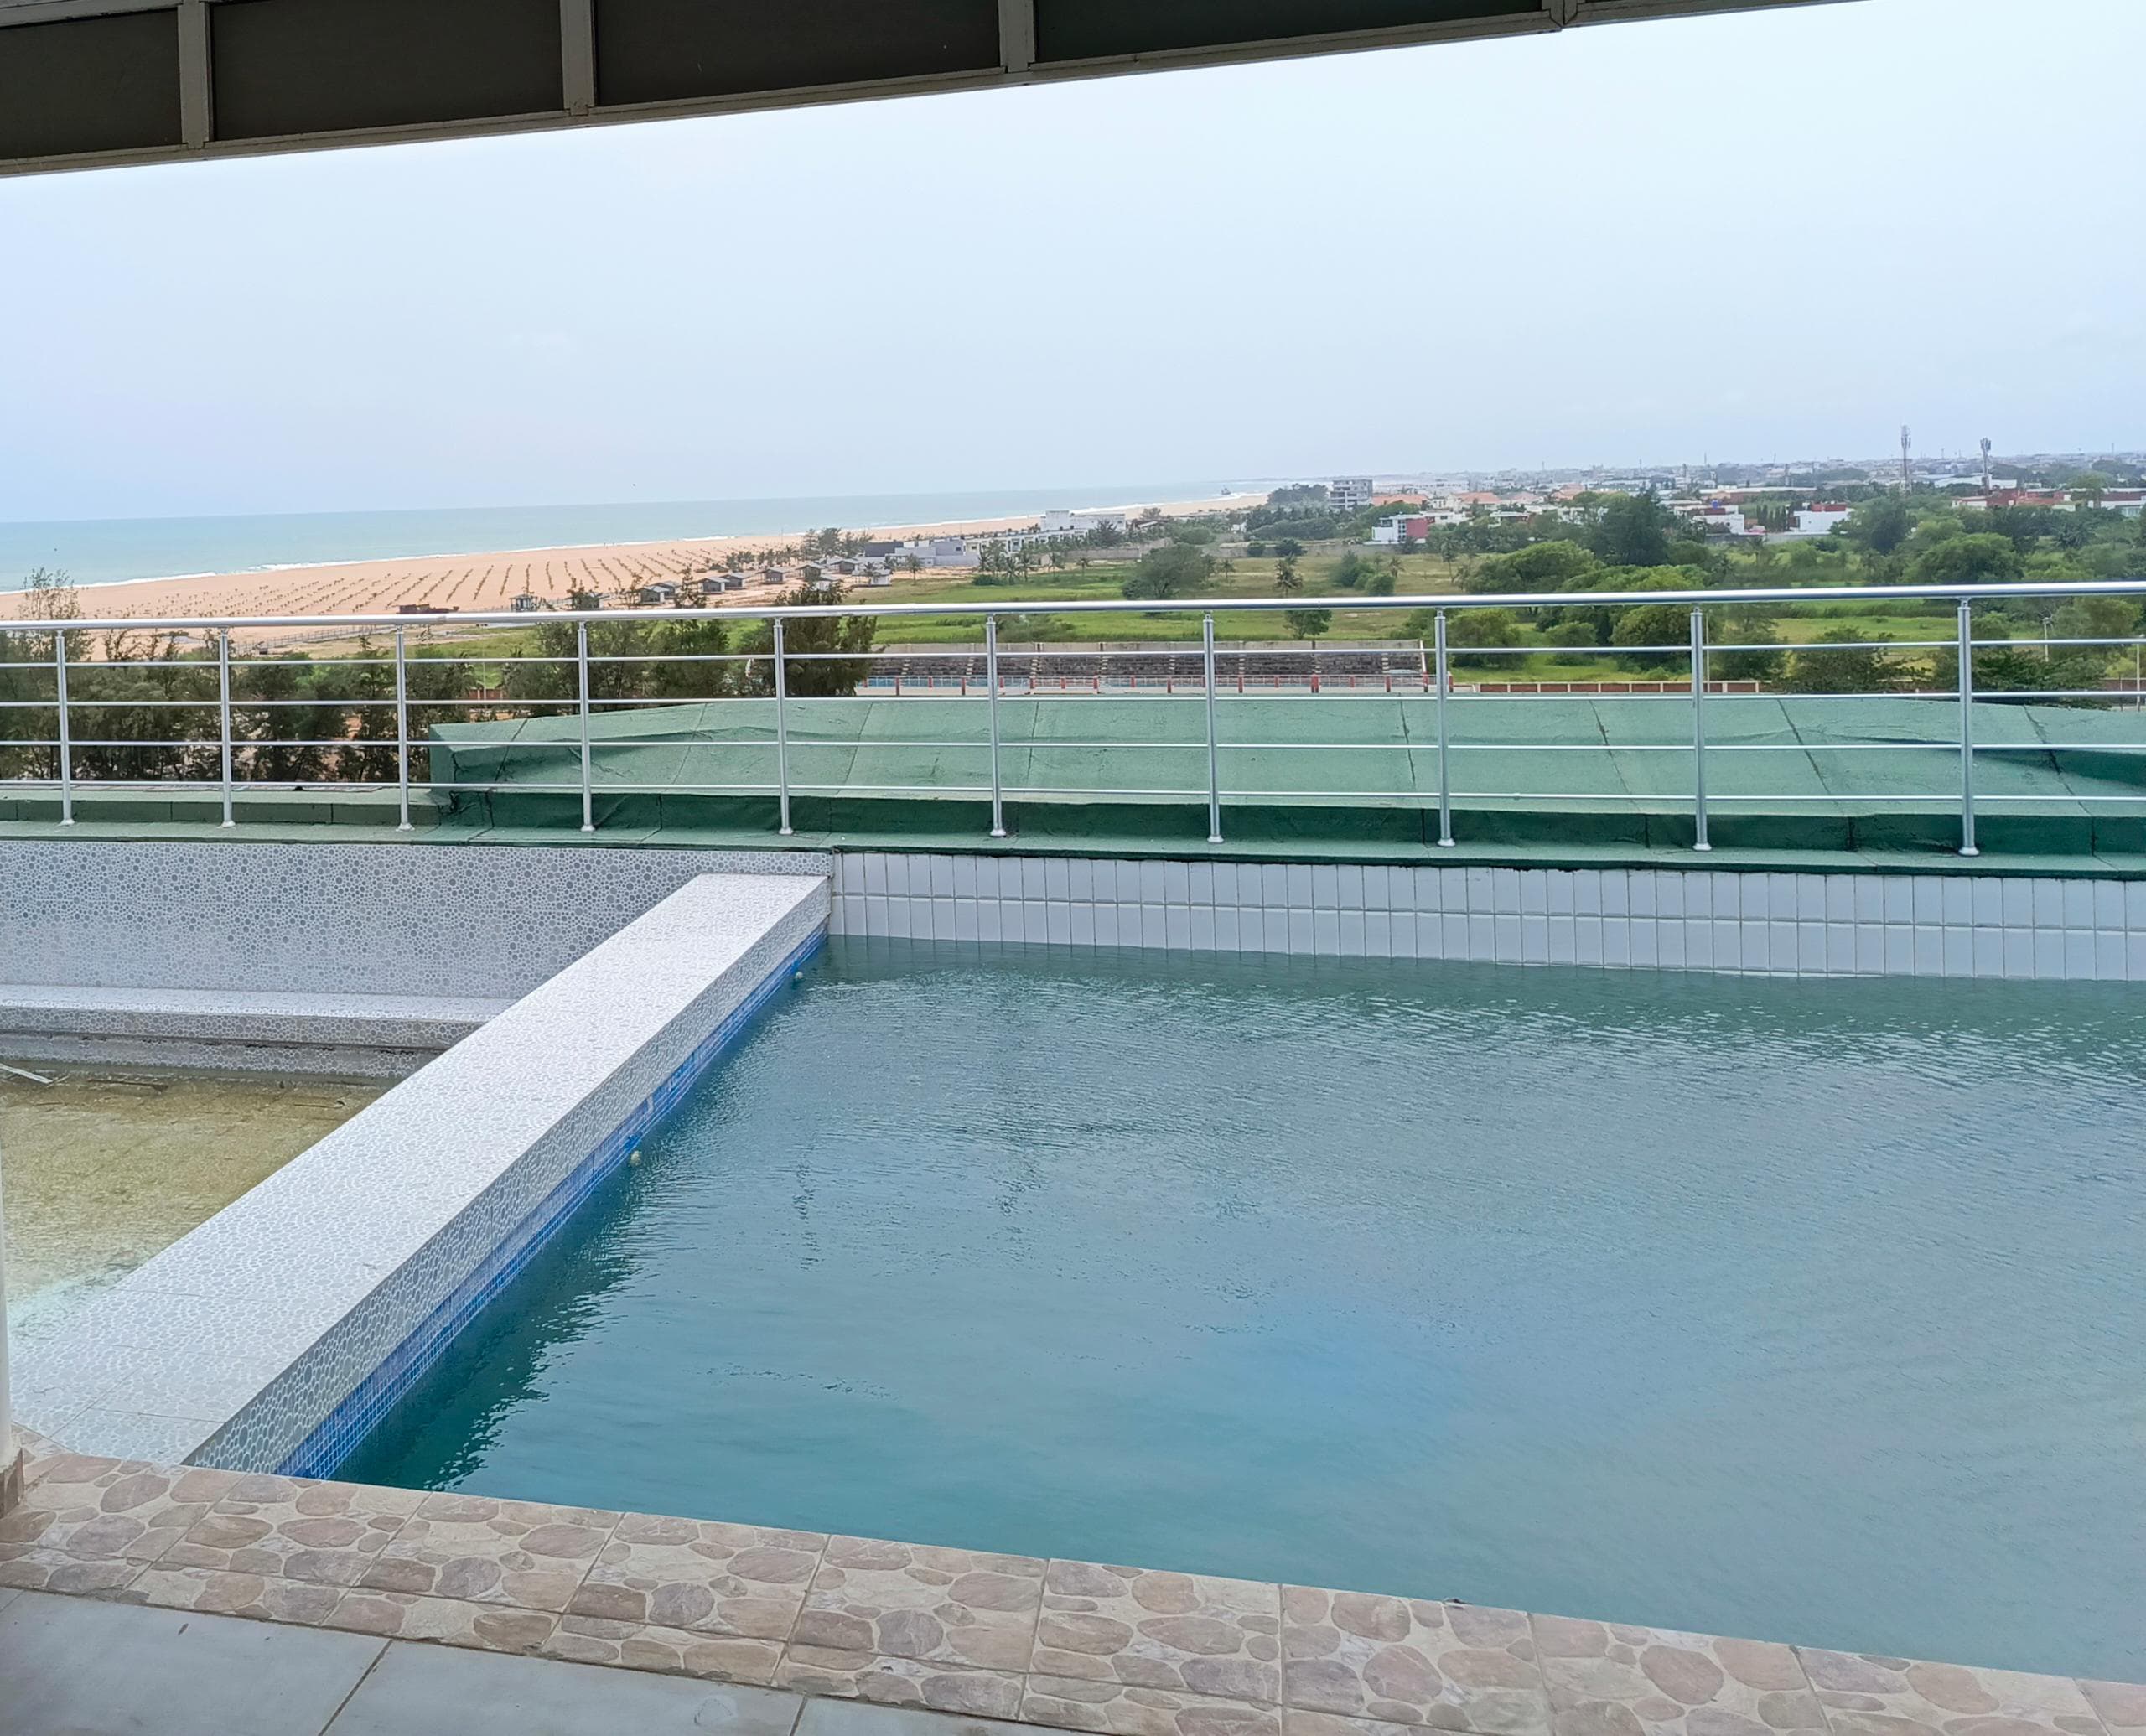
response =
{"points": [[1642, 918], [332, 918]]}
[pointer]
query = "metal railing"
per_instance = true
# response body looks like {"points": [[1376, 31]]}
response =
{"points": [[75, 654]]}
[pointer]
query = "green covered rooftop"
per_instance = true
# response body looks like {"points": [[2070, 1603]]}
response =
{"points": [[1783, 772]]}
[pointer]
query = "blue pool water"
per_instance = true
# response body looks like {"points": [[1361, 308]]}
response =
{"points": [[1800, 1310]]}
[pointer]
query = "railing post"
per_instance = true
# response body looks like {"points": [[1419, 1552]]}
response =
{"points": [[11, 1460], [1214, 746], [402, 735], [1445, 677], [1967, 847], [781, 729], [1699, 731], [224, 712], [588, 770], [991, 675], [66, 748]]}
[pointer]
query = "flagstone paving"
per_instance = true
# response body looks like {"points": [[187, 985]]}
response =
{"points": [[736, 1579], [955, 1606], [1161, 1631], [899, 1680], [1894, 1697], [1606, 1679], [524, 1553], [285, 1528], [1070, 1645], [2121, 1705], [1405, 1661]]}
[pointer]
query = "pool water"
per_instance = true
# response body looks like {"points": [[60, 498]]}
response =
{"points": [[105, 1167], [1804, 1310]]}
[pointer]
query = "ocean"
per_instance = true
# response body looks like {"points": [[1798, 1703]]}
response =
{"points": [[111, 551]]}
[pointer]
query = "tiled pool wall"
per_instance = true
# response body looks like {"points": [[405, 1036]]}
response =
{"points": [[1820, 925], [272, 1336], [366, 919]]}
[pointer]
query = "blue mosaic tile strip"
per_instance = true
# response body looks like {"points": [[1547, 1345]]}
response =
{"points": [[339, 1434]]}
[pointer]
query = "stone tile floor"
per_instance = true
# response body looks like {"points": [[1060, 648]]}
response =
{"points": [[752, 1627]]}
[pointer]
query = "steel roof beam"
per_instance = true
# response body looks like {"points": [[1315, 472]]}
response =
{"points": [[93, 83]]}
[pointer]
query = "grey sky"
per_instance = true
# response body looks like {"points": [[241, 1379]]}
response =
{"points": [[1781, 234]]}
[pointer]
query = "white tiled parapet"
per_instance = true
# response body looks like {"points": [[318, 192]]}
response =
{"points": [[1813, 925], [299, 1308]]}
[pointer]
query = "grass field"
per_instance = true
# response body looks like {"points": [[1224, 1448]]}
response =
{"points": [[1026, 615]]}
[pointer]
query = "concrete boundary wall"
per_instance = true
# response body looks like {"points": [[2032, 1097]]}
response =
{"points": [[273, 1335], [1646, 919]]}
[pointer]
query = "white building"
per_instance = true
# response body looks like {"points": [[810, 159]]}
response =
{"points": [[937, 552], [1714, 519], [1349, 494], [1057, 523]]}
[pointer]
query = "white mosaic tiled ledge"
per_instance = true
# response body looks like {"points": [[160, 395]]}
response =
{"points": [[1988, 925], [236, 1343], [366, 1036]]}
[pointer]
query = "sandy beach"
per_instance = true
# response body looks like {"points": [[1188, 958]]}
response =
{"points": [[480, 582]]}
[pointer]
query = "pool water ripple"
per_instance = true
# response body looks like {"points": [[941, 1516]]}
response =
{"points": [[1807, 1310]]}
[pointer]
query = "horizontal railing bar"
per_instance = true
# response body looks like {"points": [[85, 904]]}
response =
{"points": [[670, 699], [292, 662], [1675, 693], [763, 656], [209, 786], [210, 704], [359, 743], [2131, 638]]}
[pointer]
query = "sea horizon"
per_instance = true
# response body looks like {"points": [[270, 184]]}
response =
{"points": [[122, 551]]}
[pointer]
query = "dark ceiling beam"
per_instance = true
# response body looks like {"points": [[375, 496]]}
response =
{"points": [[91, 83]]}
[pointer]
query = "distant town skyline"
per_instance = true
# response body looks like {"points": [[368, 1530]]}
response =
{"points": [[1769, 233]]}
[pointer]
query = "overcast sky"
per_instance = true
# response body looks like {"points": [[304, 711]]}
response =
{"points": [[1782, 234]]}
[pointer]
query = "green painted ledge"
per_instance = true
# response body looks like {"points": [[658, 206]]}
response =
{"points": [[2068, 846]]}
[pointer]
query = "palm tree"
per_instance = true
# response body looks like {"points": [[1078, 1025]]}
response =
{"points": [[1287, 578]]}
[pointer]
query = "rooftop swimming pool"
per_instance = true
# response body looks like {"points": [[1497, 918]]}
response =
{"points": [[1805, 1310]]}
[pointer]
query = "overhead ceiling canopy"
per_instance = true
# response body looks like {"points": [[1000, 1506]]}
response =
{"points": [[84, 82]]}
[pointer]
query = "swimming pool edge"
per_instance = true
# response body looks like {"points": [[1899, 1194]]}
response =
{"points": [[235, 1345], [344, 1429]]}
